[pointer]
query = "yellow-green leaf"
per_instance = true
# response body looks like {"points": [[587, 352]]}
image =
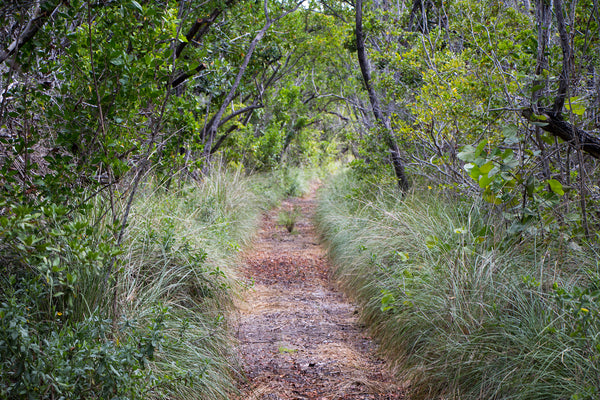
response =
{"points": [[575, 105], [556, 187]]}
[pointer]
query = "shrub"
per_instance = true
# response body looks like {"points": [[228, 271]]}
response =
{"points": [[81, 317]]}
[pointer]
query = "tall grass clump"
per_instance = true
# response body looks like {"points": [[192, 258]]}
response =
{"points": [[463, 308], [181, 255], [84, 317]]}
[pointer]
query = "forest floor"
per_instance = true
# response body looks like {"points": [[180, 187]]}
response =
{"points": [[299, 337]]}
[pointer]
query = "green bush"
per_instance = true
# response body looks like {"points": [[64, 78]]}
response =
{"points": [[56, 338], [84, 359], [81, 317]]}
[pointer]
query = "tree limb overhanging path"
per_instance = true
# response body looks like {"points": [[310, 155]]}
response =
{"points": [[299, 337]]}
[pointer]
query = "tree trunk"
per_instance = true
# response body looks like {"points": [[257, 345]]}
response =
{"points": [[390, 140], [212, 131], [45, 10]]}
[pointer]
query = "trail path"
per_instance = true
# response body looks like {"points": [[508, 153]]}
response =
{"points": [[299, 337]]}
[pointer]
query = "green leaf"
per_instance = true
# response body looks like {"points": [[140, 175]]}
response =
{"points": [[283, 350], [530, 186], [535, 88], [487, 167], [117, 61], [507, 153], [575, 105], [481, 146], [402, 255], [484, 181], [137, 5], [431, 242], [556, 187], [468, 153], [510, 134], [475, 172], [387, 301], [510, 131]]}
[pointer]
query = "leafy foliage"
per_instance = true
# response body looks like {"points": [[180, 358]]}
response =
{"points": [[487, 102]]}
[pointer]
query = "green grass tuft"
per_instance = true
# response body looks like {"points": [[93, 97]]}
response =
{"points": [[181, 255], [463, 309]]}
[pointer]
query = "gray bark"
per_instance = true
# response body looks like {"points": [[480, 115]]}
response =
{"points": [[390, 140]]}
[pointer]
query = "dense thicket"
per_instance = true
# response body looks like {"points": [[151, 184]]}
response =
{"points": [[490, 102], [496, 100], [116, 239]]}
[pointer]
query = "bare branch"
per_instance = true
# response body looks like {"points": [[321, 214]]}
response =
{"points": [[563, 82], [44, 11], [578, 138]]}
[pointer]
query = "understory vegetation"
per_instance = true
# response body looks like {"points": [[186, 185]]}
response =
{"points": [[81, 317], [466, 308], [139, 139]]}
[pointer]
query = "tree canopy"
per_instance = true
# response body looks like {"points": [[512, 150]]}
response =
{"points": [[480, 100]]}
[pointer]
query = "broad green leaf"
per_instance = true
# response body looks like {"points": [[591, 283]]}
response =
{"points": [[387, 301], [475, 173], [530, 186], [507, 153], [470, 153], [510, 131], [493, 171], [467, 153], [556, 187], [117, 61], [481, 146], [484, 181], [510, 162], [487, 167]]}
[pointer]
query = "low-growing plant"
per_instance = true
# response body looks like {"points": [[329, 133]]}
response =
{"points": [[83, 359], [289, 217]]}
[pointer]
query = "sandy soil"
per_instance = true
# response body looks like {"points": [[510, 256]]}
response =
{"points": [[299, 337]]}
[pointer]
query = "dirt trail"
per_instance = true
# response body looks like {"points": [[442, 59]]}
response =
{"points": [[299, 337]]}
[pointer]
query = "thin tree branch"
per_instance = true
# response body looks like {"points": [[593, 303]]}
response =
{"points": [[567, 67], [46, 9]]}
